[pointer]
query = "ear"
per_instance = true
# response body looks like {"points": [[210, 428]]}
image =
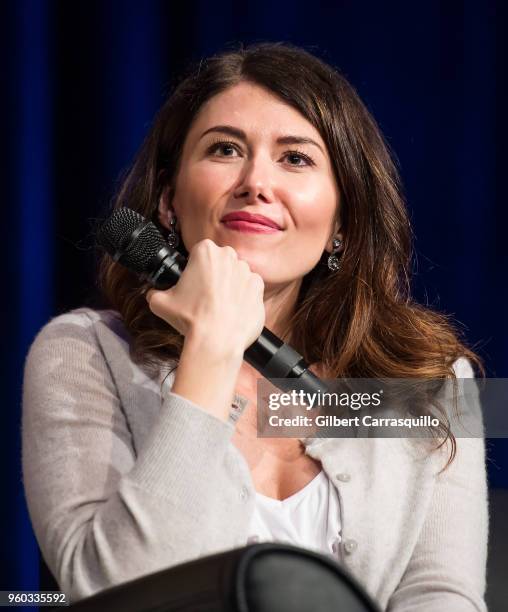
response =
{"points": [[336, 234], [165, 209]]}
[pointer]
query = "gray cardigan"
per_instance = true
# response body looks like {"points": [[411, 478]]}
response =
{"points": [[122, 480]]}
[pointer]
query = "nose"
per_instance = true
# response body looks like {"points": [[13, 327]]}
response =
{"points": [[255, 182]]}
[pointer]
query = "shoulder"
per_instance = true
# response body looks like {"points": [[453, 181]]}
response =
{"points": [[83, 322], [80, 331], [463, 368], [84, 318]]}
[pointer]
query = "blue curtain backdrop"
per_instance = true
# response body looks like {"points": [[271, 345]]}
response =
{"points": [[84, 79]]}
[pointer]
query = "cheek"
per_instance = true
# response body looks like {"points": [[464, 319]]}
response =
{"points": [[314, 201], [196, 191], [316, 215], [206, 184]]}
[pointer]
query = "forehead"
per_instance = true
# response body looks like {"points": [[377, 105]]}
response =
{"points": [[256, 110]]}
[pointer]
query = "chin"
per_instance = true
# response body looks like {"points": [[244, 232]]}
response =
{"points": [[254, 264], [259, 262]]}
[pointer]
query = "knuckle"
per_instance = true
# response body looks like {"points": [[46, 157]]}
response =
{"points": [[258, 279], [230, 251], [202, 246], [156, 301]]}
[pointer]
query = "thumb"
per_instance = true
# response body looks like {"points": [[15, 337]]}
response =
{"points": [[159, 301], [152, 294], [149, 294]]}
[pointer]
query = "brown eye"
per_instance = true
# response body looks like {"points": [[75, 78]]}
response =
{"points": [[299, 155], [224, 145]]}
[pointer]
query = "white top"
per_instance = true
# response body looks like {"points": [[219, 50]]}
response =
{"points": [[310, 518]]}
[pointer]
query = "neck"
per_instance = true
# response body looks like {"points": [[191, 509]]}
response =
{"points": [[280, 302]]}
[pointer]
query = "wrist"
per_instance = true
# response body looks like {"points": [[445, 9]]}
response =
{"points": [[206, 375], [204, 345]]}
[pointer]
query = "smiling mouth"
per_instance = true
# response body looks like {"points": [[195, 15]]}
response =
{"points": [[241, 225]]}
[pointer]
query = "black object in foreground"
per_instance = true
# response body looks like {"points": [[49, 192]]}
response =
{"points": [[137, 244], [256, 578]]}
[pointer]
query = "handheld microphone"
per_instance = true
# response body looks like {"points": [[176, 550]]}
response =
{"points": [[137, 244]]}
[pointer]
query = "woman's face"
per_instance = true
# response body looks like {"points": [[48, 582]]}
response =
{"points": [[234, 160]]}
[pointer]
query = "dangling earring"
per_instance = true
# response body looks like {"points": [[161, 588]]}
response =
{"points": [[173, 239], [333, 260]]}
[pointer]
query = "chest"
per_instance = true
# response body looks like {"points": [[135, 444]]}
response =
{"points": [[279, 466]]}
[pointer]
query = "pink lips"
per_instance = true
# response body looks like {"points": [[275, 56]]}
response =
{"points": [[248, 222], [245, 226]]}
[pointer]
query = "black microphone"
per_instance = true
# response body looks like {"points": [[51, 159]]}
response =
{"points": [[137, 244]]}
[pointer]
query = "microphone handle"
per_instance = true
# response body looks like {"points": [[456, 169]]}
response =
{"points": [[268, 354]]}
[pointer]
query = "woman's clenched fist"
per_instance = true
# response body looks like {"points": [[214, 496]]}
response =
{"points": [[217, 299]]}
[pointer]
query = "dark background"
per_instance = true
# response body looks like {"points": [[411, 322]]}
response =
{"points": [[83, 81]]}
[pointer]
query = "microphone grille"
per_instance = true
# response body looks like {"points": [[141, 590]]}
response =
{"points": [[115, 236]]}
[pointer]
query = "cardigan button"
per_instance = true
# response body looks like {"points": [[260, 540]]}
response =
{"points": [[244, 493], [343, 477], [335, 545], [350, 546]]}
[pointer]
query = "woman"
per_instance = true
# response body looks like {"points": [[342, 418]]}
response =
{"points": [[140, 448]]}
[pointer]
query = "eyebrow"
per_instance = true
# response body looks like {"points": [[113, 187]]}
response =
{"points": [[240, 134]]}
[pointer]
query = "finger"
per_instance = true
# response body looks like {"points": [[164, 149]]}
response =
{"points": [[149, 294]]}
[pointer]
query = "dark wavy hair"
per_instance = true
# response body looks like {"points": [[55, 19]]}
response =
{"points": [[360, 321]]}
